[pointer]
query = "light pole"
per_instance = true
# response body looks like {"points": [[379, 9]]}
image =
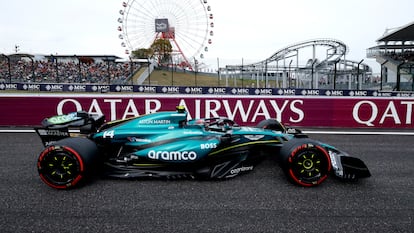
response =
{"points": [[382, 73], [149, 71], [290, 83], [359, 81], [108, 70], [195, 71], [313, 65], [334, 82], [131, 70], [242, 72], [172, 71], [266, 78], [218, 71]]}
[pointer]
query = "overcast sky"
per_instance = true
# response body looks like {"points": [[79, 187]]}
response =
{"points": [[252, 30]]}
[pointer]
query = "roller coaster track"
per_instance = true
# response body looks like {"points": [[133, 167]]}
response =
{"points": [[336, 47], [335, 54]]}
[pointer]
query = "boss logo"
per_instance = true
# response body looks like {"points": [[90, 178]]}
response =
{"points": [[206, 146]]}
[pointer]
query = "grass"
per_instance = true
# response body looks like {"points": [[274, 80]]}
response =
{"points": [[163, 77], [178, 78]]}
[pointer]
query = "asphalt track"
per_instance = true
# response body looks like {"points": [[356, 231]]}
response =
{"points": [[260, 201]]}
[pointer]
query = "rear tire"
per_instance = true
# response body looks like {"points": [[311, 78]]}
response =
{"points": [[305, 162], [67, 163]]}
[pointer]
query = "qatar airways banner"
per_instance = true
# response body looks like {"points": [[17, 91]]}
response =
{"points": [[368, 112]]}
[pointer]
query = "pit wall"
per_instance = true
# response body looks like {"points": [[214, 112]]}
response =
{"points": [[301, 111]]}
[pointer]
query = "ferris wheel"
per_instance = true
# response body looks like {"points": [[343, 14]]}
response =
{"points": [[187, 24]]}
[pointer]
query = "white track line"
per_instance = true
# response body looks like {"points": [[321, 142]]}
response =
{"points": [[360, 132], [345, 132], [17, 131]]}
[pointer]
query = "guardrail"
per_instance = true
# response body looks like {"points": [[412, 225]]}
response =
{"points": [[345, 112], [188, 90]]}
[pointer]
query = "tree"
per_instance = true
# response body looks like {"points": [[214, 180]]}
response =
{"points": [[142, 53], [162, 49]]}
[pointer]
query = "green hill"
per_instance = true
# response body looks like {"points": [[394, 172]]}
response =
{"points": [[163, 77]]}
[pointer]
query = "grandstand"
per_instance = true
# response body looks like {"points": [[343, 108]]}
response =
{"points": [[99, 69], [395, 53]]}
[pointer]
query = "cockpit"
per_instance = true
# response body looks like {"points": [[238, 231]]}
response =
{"points": [[217, 124]]}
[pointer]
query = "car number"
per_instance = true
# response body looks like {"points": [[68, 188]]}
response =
{"points": [[108, 134]]}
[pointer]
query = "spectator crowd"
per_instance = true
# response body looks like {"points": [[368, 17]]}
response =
{"points": [[407, 56], [46, 71]]}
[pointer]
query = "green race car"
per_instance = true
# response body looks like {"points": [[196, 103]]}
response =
{"points": [[168, 145]]}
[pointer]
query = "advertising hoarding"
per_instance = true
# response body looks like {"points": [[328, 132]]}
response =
{"points": [[301, 111]]}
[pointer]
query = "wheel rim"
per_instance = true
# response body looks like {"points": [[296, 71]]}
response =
{"points": [[309, 167], [59, 167]]}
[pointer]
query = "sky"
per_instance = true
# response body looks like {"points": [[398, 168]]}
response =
{"points": [[244, 30]]}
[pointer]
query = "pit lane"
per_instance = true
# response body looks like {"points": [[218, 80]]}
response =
{"points": [[260, 201]]}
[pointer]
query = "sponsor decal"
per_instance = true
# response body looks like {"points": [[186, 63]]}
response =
{"points": [[100, 88], [254, 137], [54, 87], [358, 93], [147, 89], [286, 92], [244, 110], [134, 139], [207, 146], [310, 92], [240, 91], [333, 157], [402, 94], [60, 119], [241, 169], [8, 86], [155, 122], [31, 87], [291, 131], [124, 88], [334, 93], [171, 90], [372, 112], [217, 90], [262, 91], [194, 90], [77, 88], [53, 132], [172, 155]]}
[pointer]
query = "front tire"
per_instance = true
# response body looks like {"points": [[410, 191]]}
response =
{"points": [[305, 162], [66, 163]]}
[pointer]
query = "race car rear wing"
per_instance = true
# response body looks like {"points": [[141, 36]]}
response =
{"points": [[68, 125]]}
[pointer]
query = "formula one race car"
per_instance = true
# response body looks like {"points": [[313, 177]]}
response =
{"points": [[168, 145]]}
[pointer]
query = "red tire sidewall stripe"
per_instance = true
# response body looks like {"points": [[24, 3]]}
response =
{"points": [[292, 175], [74, 153]]}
